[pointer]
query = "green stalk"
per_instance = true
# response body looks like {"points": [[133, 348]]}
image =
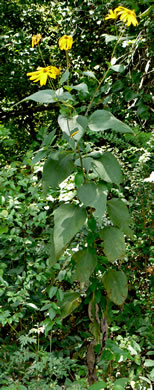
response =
{"points": [[67, 64], [103, 78], [81, 162]]}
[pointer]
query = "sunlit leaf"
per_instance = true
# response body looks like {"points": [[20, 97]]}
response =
{"points": [[94, 195], [108, 168], [102, 120]]}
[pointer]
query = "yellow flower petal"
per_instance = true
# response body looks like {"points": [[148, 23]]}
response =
{"points": [[111, 15], [42, 74], [127, 16], [36, 39], [65, 42]]}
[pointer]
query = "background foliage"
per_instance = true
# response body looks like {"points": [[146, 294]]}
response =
{"points": [[44, 320]]}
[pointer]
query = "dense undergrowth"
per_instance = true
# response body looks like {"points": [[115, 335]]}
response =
{"points": [[50, 315]]}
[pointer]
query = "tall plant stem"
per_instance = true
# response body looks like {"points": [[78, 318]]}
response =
{"points": [[105, 74], [81, 162], [67, 64], [38, 342]]}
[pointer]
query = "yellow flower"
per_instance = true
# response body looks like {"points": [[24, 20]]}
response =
{"points": [[65, 42], [42, 74], [36, 39], [111, 15], [127, 16]]}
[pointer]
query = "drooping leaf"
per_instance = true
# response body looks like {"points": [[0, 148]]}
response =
{"points": [[102, 120], [64, 77], [76, 123], [94, 195], [118, 68], [48, 96], [114, 243], [85, 263], [107, 168], [119, 214], [68, 220], [43, 96], [82, 87], [115, 283], [57, 168], [70, 302]]}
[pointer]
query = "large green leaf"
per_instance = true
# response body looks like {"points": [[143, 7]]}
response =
{"points": [[102, 120], [85, 263], [43, 96], [76, 123], [82, 87], [68, 220], [114, 243], [47, 96], [121, 381], [118, 212], [108, 168], [94, 195], [115, 283], [86, 161], [98, 386], [70, 302], [57, 168]]}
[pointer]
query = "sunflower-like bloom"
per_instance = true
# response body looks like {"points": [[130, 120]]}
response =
{"points": [[36, 39], [127, 16], [42, 74], [111, 15], [65, 42]]}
